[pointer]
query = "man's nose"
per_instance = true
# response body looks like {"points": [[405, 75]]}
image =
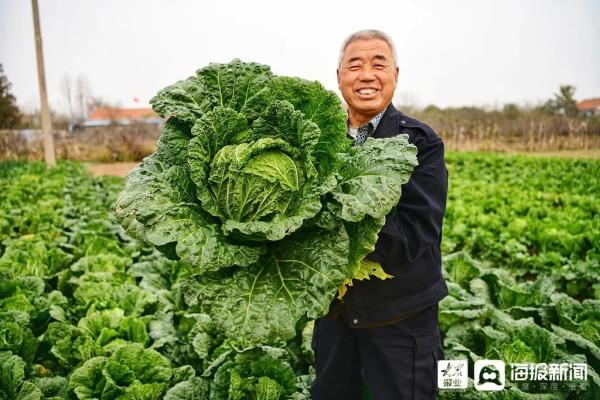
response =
{"points": [[366, 74]]}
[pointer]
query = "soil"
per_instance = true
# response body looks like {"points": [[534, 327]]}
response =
{"points": [[122, 168], [112, 169], [583, 153]]}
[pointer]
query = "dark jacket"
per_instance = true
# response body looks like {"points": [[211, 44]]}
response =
{"points": [[408, 246]]}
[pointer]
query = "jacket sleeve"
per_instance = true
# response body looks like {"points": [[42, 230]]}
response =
{"points": [[416, 223]]}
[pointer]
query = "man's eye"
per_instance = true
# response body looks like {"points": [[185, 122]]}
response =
{"points": [[354, 67], [379, 66]]}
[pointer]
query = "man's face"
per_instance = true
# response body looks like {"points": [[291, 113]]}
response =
{"points": [[367, 77]]}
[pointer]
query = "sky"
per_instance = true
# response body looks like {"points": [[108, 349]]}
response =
{"points": [[450, 52]]}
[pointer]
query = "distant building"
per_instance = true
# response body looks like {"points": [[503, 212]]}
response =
{"points": [[105, 116], [589, 107]]}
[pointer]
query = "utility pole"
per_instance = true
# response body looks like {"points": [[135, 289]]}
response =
{"points": [[49, 153]]}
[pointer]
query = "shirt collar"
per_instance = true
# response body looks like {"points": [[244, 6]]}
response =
{"points": [[374, 121]]}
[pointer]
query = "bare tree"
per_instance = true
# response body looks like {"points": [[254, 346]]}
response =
{"points": [[94, 102], [66, 88], [82, 96]]}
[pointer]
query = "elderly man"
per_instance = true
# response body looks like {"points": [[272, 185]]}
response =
{"points": [[386, 331]]}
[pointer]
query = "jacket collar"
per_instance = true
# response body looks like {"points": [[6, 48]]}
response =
{"points": [[388, 125]]}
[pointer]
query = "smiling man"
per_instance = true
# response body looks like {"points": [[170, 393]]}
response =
{"points": [[385, 332]]}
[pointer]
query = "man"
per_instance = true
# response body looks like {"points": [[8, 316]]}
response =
{"points": [[386, 331]]}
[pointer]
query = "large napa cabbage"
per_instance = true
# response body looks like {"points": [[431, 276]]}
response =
{"points": [[255, 183]]}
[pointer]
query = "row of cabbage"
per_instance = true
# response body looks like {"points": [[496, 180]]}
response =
{"points": [[522, 241], [87, 312]]}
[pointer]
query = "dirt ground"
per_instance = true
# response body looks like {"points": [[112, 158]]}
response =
{"points": [[588, 153], [112, 169], [121, 169]]}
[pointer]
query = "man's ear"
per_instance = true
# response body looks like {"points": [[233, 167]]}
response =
{"points": [[337, 75], [396, 73]]}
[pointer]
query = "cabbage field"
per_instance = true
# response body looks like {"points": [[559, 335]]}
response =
{"points": [[87, 312]]}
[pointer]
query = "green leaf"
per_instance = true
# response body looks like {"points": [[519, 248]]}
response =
{"points": [[275, 166], [318, 105], [261, 304], [518, 352], [29, 392], [149, 210], [245, 193], [134, 330], [591, 350], [232, 85], [219, 388], [193, 389], [132, 372], [540, 341], [53, 386], [96, 322], [363, 236], [12, 374], [87, 381], [146, 391], [366, 270], [186, 100], [461, 268], [281, 120], [371, 178], [174, 141], [215, 130], [268, 389], [146, 365]]}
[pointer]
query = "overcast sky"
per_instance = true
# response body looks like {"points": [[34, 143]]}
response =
{"points": [[450, 52]]}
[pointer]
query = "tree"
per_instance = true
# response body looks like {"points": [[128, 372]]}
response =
{"points": [[79, 98], [563, 102], [511, 110], [10, 117], [66, 88]]}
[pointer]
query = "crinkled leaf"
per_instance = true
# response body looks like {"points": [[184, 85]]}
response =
{"points": [[261, 304], [88, 381], [174, 141], [146, 365], [218, 128], [318, 105], [268, 389], [12, 374], [149, 209], [371, 177], [186, 100], [29, 391], [591, 349], [366, 270], [193, 389], [232, 85], [53, 386]]}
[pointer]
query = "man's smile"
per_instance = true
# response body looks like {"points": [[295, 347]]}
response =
{"points": [[367, 93]]}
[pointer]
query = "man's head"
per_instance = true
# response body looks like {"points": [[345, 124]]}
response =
{"points": [[367, 74]]}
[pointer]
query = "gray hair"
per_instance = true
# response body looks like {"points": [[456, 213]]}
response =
{"points": [[367, 34]]}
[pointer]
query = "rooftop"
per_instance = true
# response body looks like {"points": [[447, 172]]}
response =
{"points": [[112, 113]]}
